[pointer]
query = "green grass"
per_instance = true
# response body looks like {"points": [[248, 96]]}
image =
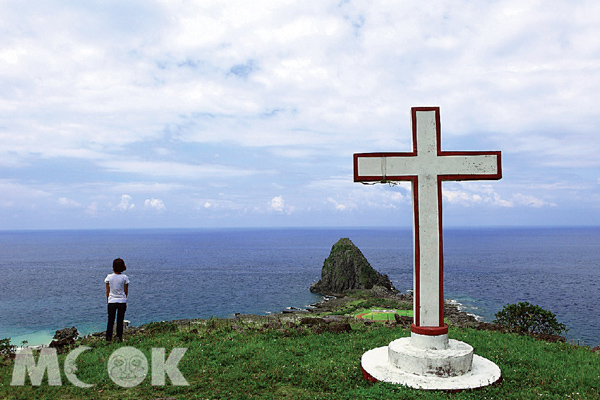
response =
{"points": [[225, 362], [363, 302], [373, 315]]}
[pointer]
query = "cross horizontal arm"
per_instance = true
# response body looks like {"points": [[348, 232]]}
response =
{"points": [[457, 166]]}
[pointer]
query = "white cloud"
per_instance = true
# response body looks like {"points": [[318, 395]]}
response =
{"points": [[379, 196], [137, 97], [175, 169], [63, 201], [339, 206], [16, 194], [469, 194], [155, 204], [141, 187], [278, 204], [303, 67], [462, 197], [125, 203], [92, 209], [531, 201]]}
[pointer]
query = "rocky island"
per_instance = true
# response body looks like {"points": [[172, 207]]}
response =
{"points": [[347, 269]]}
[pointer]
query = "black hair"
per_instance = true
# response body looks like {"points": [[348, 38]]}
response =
{"points": [[119, 265]]}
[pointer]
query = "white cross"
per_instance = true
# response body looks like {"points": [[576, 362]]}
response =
{"points": [[426, 167]]}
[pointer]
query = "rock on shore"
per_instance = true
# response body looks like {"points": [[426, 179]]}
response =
{"points": [[64, 338], [346, 269]]}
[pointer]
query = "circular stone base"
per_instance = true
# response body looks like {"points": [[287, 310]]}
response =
{"points": [[376, 367], [454, 360]]}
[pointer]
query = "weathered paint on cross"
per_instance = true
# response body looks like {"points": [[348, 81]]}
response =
{"points": [[426, 167]]}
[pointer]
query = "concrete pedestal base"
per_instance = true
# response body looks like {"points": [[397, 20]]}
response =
{"points": [[444, 365], [454, 360]]}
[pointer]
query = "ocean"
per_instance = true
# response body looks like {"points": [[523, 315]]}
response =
{"points": [[55, 279]]}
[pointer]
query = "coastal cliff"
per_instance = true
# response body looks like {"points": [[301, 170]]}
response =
{"points": [[346, 269]]}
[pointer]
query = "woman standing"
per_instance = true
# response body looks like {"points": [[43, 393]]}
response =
{"points": [[117, 289]]}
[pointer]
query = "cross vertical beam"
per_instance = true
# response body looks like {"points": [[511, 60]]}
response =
{"points": [[426, 167]]}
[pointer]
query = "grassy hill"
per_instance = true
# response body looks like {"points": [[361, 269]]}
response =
{"points": [[281, 358]]}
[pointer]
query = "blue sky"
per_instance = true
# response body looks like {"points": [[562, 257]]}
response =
{"points": [[146, 114]]}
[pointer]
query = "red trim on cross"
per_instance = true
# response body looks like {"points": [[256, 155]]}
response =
{"points": [[429, 330], [355, 165], [441, 254], [417, 251]]}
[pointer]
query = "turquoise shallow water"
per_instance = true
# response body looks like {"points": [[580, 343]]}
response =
{"points": [[54, 279]]}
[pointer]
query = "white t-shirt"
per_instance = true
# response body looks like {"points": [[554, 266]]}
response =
{"points": [[117, 287]]}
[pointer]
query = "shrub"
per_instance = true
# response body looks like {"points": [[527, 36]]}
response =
{"points": [[525, 317], [161, 327], [6, 348]]}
